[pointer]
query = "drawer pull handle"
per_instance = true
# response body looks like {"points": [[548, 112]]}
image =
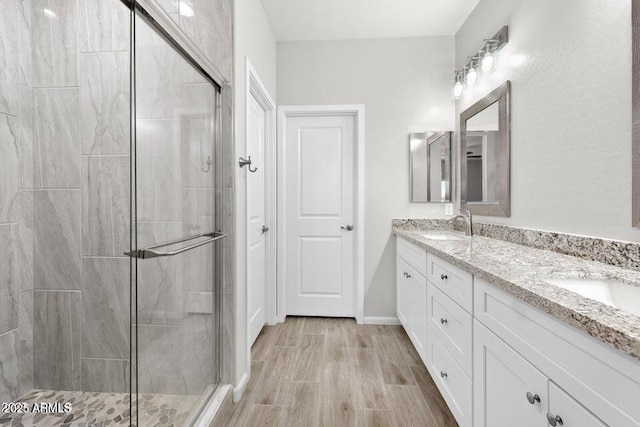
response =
{"points": [[443, 374], [444, 277], [443, 321], [554, 419], [533, 398]]}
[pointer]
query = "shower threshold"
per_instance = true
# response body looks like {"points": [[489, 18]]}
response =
{"points": [[99, 409]]}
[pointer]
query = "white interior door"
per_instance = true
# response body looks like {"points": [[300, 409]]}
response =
{"points": [[256, 220], [320, 215]]}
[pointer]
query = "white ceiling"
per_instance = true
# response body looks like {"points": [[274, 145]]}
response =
{"points": [[363, 19]]}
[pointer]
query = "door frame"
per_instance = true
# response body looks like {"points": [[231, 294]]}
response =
{"points": [[256, 89], [284, 113]]}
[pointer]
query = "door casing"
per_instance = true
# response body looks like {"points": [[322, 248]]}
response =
{"points": [[285, 112]]}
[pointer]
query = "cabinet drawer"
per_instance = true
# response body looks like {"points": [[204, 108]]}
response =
{"points": [[454, 385], [599, 377], [570, 412], [452, 325], [412, 254], [453, 281]]}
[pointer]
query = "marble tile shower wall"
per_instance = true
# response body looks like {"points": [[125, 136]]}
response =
{"points": [[64, 196]]}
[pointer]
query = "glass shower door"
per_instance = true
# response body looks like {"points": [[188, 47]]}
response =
{"points": [[175, 322]]}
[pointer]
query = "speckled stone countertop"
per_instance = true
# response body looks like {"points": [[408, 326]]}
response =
{"points": [[522, 271]]}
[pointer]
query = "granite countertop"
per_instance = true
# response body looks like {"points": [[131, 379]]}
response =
{"points": [[521, 271]]}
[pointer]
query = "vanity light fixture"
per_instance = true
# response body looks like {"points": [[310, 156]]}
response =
{"points": [[483, 60], [458, 87]]}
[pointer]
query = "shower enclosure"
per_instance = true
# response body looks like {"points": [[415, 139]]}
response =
{"points": [[110, 308]]}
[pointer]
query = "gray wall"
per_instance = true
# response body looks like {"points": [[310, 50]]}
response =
{"points": [[402, 82], [253, 39], [570, 67]]}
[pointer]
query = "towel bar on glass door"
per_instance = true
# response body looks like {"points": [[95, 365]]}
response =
{"points": [[149, 252]]}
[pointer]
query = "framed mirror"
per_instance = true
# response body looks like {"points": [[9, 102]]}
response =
{"points": [[485, 146], [430, 167]]}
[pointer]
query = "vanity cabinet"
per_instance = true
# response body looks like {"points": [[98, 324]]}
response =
{"points": [[499, 361], [411, 286]]}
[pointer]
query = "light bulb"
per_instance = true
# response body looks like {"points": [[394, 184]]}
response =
{"points": [[487, 62], [458, 89], [472, 76]]}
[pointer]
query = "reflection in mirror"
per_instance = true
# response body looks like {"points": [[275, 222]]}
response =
{"points": [[484, 155], [482, 160], [418, 167], [430, 167]]}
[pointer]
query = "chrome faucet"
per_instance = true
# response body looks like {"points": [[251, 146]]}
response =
{"points": [[468, 220]]}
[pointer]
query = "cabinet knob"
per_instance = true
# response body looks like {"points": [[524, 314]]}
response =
{"points": [[444, 277], [443, 374], [533, 398], [554, 419], [443, 321]]}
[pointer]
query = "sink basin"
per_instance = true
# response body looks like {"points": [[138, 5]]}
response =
{"points": [[611, 292], [442, 237]]}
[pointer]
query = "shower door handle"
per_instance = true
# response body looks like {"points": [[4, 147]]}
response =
{"points": [[150, 252]]}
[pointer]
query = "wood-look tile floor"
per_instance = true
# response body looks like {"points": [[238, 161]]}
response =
{"points": [[311, 371]]}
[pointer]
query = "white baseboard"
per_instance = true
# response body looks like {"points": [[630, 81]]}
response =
{"points": [[381, 321], [239, 390]]}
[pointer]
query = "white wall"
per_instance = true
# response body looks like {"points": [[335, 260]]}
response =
{"points": [[570, 67], [253, 39], [402, 82]]}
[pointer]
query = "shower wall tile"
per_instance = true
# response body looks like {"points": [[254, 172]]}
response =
{"points": [[104, 26], [160, 279], [9, 46], [226, 215], [9, 361], [9, 169], [226, 145], [158, 170], [105, 205], [105, 308], [226, 372], [160, 351], [57, 323], [26, 52], [25, 239], [216, 41], [57, 238], [105, 375], [104, 97], [54, 26], [57, 141], [25, 337], [197, 151], [158, 88], [198, 210], [198, 303], [198, 345], [9, 277], [27, 125]]}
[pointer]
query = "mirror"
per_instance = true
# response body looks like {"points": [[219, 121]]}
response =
{"points": [[430, 167], [484, 155]]}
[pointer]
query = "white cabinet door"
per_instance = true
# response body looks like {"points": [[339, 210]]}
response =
{"points": [[508, 390], [403, 293], [418, 323], [566, 412]]}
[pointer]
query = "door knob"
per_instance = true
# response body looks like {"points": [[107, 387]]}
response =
{"points": [[349, 227], [554, 419], [533, 398], [265, 228]]}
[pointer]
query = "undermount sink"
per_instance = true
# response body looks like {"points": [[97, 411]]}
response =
{"points": [[611, 292], [442, 237]]}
